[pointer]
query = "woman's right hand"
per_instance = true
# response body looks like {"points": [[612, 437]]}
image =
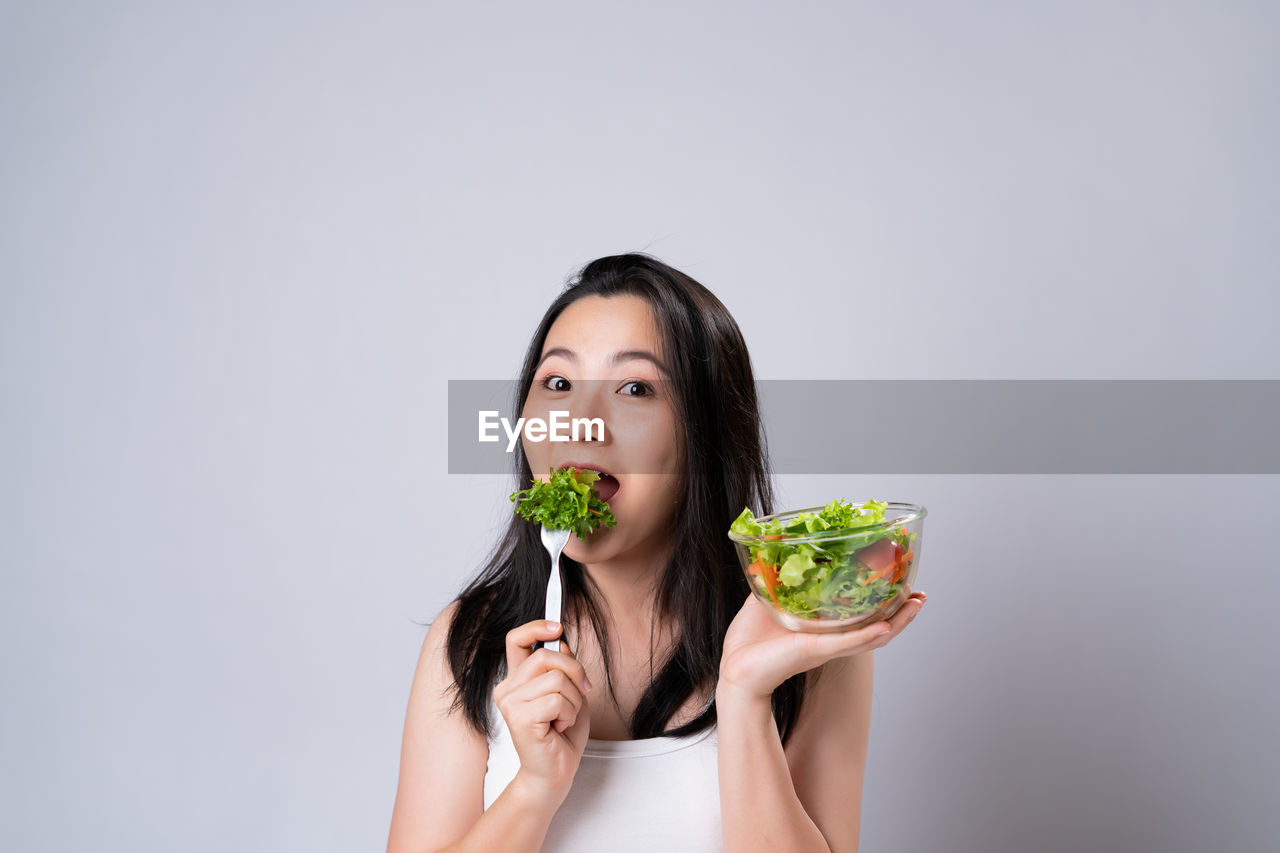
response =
{"points": [[542, 699]]}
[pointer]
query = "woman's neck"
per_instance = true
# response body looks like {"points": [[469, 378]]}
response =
{"points": [[629, 588]]}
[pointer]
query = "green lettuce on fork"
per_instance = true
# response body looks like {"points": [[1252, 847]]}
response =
{"points": [[568, 501], [836, 572]]}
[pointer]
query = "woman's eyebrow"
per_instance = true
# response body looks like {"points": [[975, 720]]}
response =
{"points": [[616, 358]]}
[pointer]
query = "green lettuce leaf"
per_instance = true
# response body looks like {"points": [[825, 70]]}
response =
{"points": [[568, 501]]}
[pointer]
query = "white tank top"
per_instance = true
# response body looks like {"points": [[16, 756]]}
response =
{"points": [[658, 793]]}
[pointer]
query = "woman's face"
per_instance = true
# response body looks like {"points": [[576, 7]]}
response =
{"points": [[603, 358]]}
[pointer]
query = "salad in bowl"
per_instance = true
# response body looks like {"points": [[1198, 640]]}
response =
{"points": [[831, 568]]}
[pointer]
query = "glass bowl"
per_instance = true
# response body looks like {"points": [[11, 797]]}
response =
{"points": [[842, 579]]}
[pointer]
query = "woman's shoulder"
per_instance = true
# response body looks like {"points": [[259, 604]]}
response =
{"points": [[438, 656], [444, 619], [442, 757], [435, 646]]}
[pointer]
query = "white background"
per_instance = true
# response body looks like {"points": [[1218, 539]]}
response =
{"points": [[243, 247]]}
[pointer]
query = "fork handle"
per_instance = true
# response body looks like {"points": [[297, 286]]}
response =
{"points": [[554, 594]]}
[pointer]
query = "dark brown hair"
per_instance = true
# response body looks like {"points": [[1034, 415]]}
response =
{"points": [[702, 586]]}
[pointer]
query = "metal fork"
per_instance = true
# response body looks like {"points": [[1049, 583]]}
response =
{"points": [[554, 540]]}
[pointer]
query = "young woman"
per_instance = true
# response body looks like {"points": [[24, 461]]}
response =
{"points": [[676, 714]]}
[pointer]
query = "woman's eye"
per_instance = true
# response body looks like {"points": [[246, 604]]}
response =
{"points": [[556, 383], [638, 389]]}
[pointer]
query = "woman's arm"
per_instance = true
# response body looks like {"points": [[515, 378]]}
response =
{"points": [[807, 797], [440, 799], [827, 752]]}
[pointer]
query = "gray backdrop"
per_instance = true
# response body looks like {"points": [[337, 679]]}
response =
{"points": [[244, 246]]}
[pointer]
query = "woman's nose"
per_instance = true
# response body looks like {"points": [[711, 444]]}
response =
{"points": [[589, 409]]}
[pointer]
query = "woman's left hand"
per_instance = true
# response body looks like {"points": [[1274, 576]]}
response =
{"points": [[759, 654]]}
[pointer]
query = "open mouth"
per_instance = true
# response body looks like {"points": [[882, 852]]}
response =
{"points": [[607, 486]]}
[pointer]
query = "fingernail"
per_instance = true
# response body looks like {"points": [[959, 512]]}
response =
{"points": [[553, 626], [586, 686]]}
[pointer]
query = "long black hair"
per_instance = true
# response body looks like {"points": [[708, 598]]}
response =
{"points": [[702, 586]]}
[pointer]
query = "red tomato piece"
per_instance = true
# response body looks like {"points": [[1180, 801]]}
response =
{"points": [[879, 555]]}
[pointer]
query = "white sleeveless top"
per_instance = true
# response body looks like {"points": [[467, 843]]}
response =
{"points": [[659, 793]]}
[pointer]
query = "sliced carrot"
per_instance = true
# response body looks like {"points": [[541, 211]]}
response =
{"points": [[897, 567], [904, 563], [880, 574], [771, 582], [774, 537], [769, 574]]}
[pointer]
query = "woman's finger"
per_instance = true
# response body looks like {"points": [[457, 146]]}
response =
{"points": [[552, 681], [521, 639], [552, 709], [823, 647], [908, 611], [544, 660]]}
